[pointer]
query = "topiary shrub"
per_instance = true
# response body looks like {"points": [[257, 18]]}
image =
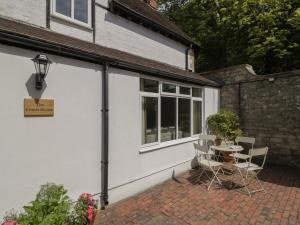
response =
{"points": [[225, 125]]}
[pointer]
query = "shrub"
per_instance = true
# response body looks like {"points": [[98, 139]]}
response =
{"points": [[224, 125], [50, 207]]}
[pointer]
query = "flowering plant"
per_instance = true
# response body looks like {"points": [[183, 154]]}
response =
{"points": [[10, 222], [84, 210]]}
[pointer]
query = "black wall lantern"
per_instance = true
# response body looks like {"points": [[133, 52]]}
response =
{"points": [[42, 64]]}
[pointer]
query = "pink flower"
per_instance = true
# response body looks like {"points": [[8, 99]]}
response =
{"points": [[88, 197], [90, 214], [11, 222]]}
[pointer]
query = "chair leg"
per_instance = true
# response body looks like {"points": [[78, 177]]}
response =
{"points": [[244, 183], [260, 184], [215, 176], [200, 175]]}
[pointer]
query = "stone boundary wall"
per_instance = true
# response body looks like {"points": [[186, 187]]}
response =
{"points": [[268, 106]]}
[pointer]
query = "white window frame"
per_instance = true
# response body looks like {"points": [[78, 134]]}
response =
{"points": [[72, 19], [176, 95]]}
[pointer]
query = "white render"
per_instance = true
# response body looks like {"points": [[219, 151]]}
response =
{"points": [[71, 29], [116, 32], [66, 148], [130, 169], [111, 30], [212, 103], [29, 11]]}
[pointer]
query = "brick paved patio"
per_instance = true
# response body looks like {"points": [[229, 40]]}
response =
{"points": [[184, 201]]}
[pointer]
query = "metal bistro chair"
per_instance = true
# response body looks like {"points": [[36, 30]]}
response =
{"points": [[248, 170], [207, 163], [206, 141], [247, 140]]}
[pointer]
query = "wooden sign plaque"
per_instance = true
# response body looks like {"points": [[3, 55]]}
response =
{"points": [[38, 107]]}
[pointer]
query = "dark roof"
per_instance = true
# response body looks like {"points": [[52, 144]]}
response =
{"points": [[40, 39], [138, 9]]}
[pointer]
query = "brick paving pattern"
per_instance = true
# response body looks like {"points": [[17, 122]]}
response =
{"points": [[184, 201]]}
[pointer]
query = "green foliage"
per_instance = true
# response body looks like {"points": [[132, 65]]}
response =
{"points": [[11, 216], [263, 33], [78, 216], [50, 207], [224, 125]]}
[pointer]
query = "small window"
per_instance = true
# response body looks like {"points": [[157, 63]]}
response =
{"points": [[149, 85], [149, 120], [76, 10], [197, 92], [185, 91]]}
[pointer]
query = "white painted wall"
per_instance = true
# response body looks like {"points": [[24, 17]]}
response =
{"points": [[30, 11], [212, 101], [64, 149], [129, 170], [71, 29], [103, 3], [116, 32], [111, 31]]}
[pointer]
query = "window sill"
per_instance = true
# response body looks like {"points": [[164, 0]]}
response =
{"points": [[71, 21], [166, 144]]}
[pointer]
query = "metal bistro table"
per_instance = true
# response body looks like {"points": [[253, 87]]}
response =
{"points": [[227, 150]]}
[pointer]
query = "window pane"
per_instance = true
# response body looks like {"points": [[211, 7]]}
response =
{"points": [[149, 120], [169, 88], [184, 120], [197, 92], [168, 119], [63, 7], [149, 85], [81, 10], [184, 90], [197, 117]]}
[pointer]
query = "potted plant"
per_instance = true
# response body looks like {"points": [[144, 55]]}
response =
{"points": [[85, 210], [225, 125]]}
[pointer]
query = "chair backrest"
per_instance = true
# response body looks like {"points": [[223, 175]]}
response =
{"points": [[206, 140], [259, 152], [200, 148], [207, 137], [249, 140]]}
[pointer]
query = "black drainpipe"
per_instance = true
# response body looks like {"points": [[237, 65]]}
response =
{"points": [[93, 19], [104, 155], [48, 9]]}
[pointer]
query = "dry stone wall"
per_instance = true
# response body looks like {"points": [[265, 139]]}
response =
{"points": [[268, 106]]}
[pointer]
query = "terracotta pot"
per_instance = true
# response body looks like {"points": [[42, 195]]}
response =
{"points": [[226, 157], [218, 141]]}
